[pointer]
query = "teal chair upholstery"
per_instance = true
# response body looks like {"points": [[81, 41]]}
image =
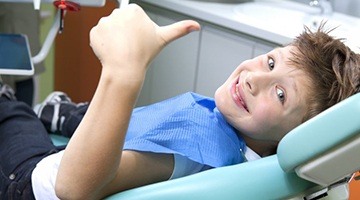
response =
{"points": [[302, 167]]}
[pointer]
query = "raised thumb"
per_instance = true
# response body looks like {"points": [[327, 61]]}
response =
{"points": [[176, 30]]}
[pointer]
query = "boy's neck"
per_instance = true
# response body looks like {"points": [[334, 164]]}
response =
{"points": [[263, 148]]}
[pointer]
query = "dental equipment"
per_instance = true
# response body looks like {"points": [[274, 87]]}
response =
{"points": [[58, 25], [58, 20], [324, 5], [56, 28], [89, 3], [123, 3], [37, 4], [46, 46], [63, 6]]}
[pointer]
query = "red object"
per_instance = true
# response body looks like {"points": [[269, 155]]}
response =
{"points": [[66, 5]]}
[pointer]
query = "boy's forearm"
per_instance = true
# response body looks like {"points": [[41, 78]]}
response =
{"points": [[97, 143]]}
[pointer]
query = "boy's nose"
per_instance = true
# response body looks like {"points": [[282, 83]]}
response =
{"points": [[258, 81]]}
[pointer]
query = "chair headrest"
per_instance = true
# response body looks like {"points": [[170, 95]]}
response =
{"points": [[318, 135]]}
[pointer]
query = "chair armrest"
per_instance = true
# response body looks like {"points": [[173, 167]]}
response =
{"points": [[260, 179]]}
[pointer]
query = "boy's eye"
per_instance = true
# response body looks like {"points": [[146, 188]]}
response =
{"points": [[281, 95], [271, 63]]}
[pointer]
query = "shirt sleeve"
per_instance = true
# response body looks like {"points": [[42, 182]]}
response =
{"points": [[44, 175], [184, 167]]}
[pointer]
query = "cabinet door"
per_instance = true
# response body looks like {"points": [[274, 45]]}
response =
{"points": [[173, 71], [221, 51], [263, 48]]}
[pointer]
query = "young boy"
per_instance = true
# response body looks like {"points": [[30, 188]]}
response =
{"points": [[262, 100]]}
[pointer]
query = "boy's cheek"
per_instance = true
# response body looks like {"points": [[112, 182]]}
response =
{"points": [[264, 118]]}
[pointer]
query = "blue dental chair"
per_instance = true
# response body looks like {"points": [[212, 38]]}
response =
{"points": [[314, 160]]}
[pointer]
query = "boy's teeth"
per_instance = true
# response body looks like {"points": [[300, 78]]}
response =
{"points": [[237, 91]]}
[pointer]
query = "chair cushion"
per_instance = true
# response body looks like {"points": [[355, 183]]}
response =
{"points": [[59, 140]]}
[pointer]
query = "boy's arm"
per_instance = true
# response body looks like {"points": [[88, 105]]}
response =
{"points": [[125, 43]]}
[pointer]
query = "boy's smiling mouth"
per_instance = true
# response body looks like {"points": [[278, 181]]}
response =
{"points": [[237, 95]]}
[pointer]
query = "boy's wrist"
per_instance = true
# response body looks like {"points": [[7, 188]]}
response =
{"points": [[123, 77]]}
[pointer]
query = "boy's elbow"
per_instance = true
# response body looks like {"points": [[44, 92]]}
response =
{"points": [[61, 191], [66, 191]]}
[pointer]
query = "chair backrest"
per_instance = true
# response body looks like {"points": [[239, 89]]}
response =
{"points": [[323, 150]]}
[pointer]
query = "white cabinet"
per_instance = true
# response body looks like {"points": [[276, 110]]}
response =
{"points": [[199, 62], [173, 71], [262, 48], [221, 51]]}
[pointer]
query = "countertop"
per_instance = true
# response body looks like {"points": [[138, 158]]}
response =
{"points": [[224, 14]]}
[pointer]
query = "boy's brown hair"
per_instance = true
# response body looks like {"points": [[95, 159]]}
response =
{"points": [[333, 68]]}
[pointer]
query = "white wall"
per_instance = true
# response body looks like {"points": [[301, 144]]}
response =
{"points": [[350, 7]]}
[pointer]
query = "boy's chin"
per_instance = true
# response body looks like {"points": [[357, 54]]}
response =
{"points": [[219, 94], [219, 101]]}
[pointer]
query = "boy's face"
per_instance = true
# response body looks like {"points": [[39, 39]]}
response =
{"points": [[264, 98]]}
